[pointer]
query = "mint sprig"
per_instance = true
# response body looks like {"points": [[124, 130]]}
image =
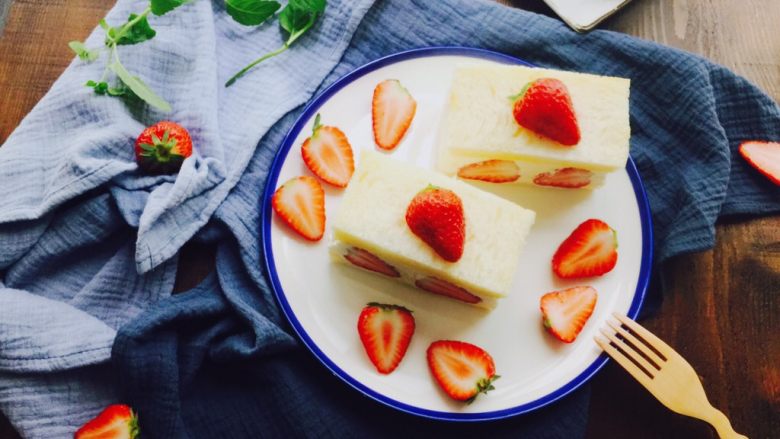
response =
{"points": [[251, 12], [296, 18]]}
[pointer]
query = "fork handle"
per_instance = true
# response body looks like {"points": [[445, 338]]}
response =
{"points": [[717, 419]]}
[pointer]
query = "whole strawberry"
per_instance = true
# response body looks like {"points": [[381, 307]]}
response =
{"points": [[115, 422], [544, 107], [162, 147], [436, 216]]}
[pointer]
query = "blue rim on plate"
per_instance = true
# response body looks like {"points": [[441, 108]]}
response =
{"points": [[270, 186]]}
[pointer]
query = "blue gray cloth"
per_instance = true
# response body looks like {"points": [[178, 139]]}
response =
{"points": [[88, 246]]}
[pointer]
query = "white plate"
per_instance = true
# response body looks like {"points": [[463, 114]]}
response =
{"points": [[322, 300]]}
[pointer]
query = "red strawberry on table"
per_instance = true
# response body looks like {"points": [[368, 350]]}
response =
{"points": [[328, 155], [569, 178], [162, 147], [115, 422], [493, 171], [300, 203], [385, 331], [544, 107], [435, 215], [565, 312], [764, 156], [590, 250], [392, 111], [461, 369]]}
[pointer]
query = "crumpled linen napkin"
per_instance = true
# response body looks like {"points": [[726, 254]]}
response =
{"points": [[219, 360]]}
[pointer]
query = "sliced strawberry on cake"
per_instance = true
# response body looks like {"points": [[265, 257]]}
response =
{"points": [[492, 171], [590, 250], [392, 111], [385, 331], [435, 215], [569, 178], [461, 369], [565, 312], [544, 106], [328, 154], [300, 203]]}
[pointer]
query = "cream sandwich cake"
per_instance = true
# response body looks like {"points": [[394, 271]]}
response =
{"points": [[481, 136], [372, 231]]}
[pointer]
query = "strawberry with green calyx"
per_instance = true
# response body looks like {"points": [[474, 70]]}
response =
{"points": [[565, 312], [385, 331], [162, 148], [328, 154], [115, 422], [544, 106], [436, 216], [461, 369]]}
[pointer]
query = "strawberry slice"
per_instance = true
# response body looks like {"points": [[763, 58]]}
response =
{"points": [[461, 369], [443, 288], [300, 203], [369, 261], [764, 156], [493, 171], [544, 106], [115, 422], [392, 111], [328, 155], [385, 331], [565, 312], [570, 178], [590, 250], [435, 215]]}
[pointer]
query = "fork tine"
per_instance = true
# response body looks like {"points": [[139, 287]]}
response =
{"points": [[651, 339], [630, 367], [635, 356], [638, 345]]}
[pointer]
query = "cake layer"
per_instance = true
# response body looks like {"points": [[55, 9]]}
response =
{"points": [[478, 123], [372, 218]]}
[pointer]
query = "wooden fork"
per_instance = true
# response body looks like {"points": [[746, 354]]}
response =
{"points": [[662, 371]]}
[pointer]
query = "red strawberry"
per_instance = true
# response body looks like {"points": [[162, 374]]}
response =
{"points": [[493, 171], [369, 261], [570, 178], [115, 422], [385, 331], [300, 202], [436, 216], [565, 312], [328, 154], [590, 250], [461, 369], [544, 107], [764, 156], [444, 288], [162, 147], [392, 111]]}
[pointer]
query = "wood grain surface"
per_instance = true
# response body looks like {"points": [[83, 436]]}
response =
{"points": [[722, 307]]}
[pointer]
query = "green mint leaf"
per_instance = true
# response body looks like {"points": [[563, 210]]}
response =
{"points": [[83, 53], [299, 15], [139, 88], [251, 12], [100, 87], [160, 7], [103, 24], [137, 32], [315, 6]]}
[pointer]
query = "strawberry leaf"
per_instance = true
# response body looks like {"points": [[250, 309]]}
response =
{"points": [[251, 12]]}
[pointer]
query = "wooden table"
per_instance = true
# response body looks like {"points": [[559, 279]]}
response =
{"points": [[721, 308]]}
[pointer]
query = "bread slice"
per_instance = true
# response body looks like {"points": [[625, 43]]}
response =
{"points": [[372, 218]]}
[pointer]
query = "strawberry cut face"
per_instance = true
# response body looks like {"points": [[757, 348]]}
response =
{"points": [[492, 171], [443, 288], [590, 250], [545, 107], [461, 369], [564, 313], [369, 261], [385, 331], [328, 154]]}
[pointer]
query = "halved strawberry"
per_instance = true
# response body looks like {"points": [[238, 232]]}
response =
{"points": [[764, 156], [565, 312], [570, 178], [385, 331], [544, 107], [493, 171], [462, 369], [435, 215], [300, 202], [115, 422], [328, 155], [443, 288], [590, 250], [392, 111], [370, 261]]}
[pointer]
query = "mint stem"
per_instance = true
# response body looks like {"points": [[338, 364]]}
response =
{"points": [[243, 71], [123, 30]]}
